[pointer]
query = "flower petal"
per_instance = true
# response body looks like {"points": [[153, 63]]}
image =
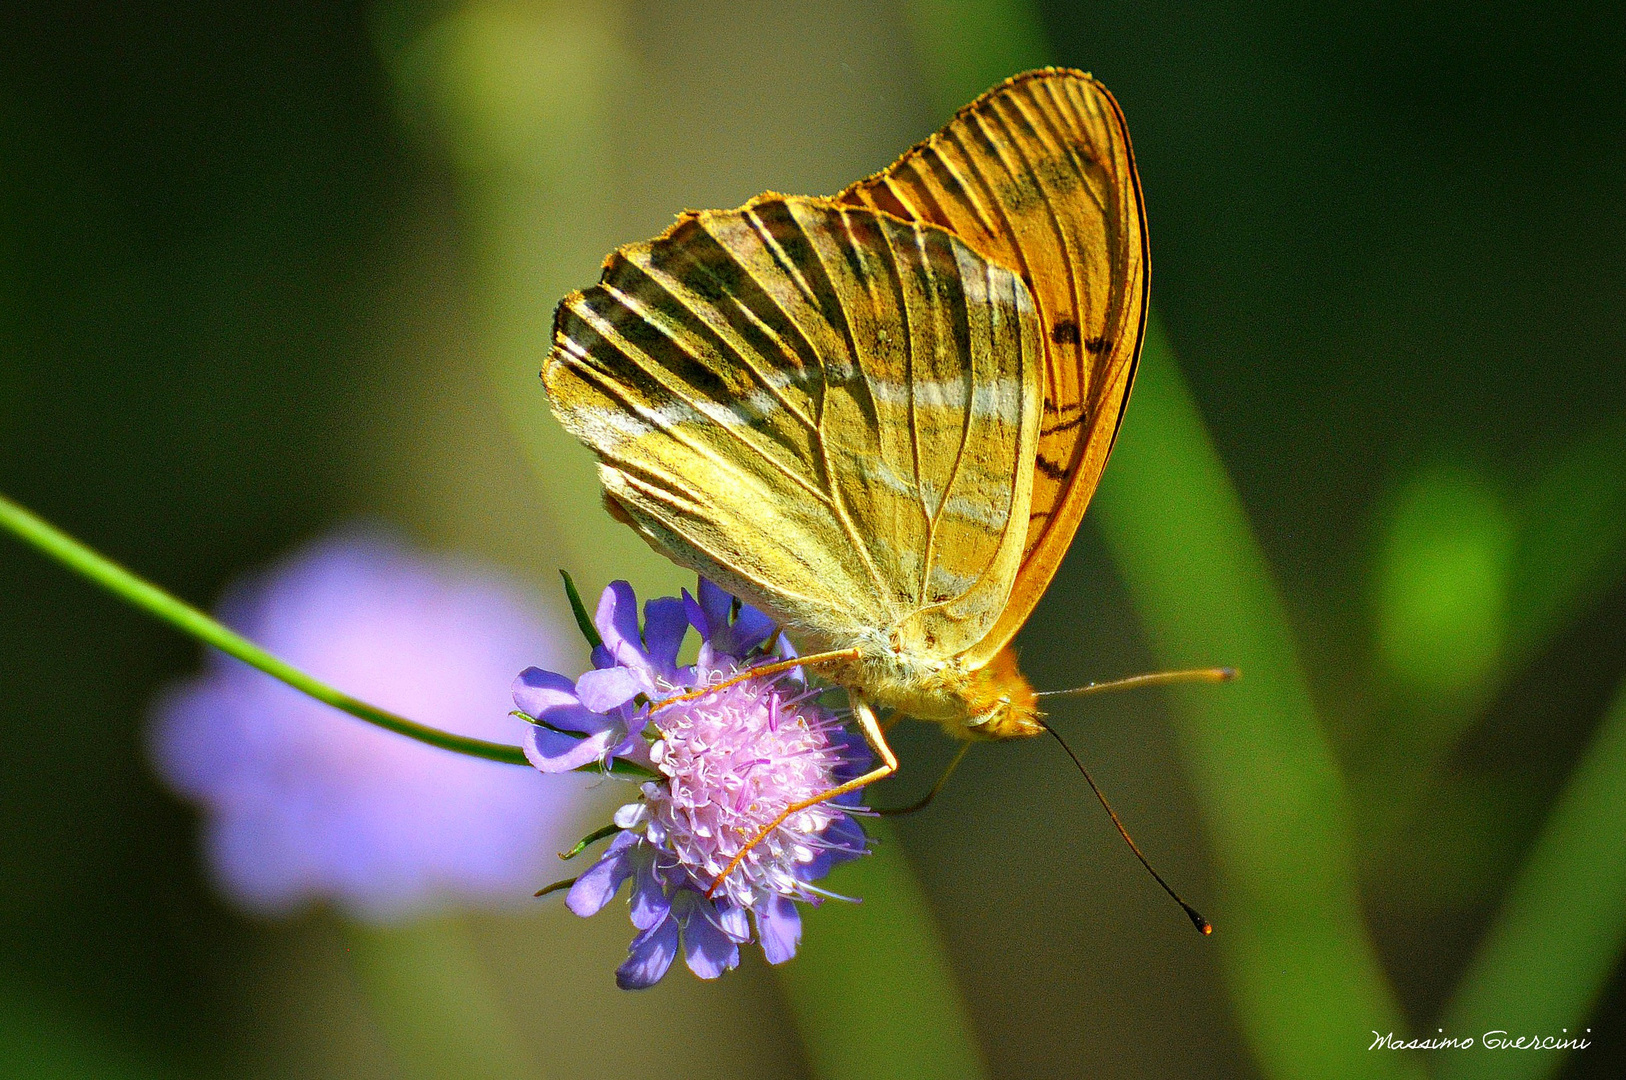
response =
{"points": [[750, 629], [856, 759], [635, 748], [843, 840], [631, 815], [649, 902], [610, 688], [617, 622], [708, 951], [649, 957], [697, 616], [665, 623], [551, 698], [779, 928], [710, 616], [599, 885], [845, 832], [553, 752], [537, 691], [706, 660], [731, 920], [715, 604]]}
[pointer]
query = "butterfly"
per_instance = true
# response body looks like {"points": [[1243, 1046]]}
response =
{"points": [[879, 416]]}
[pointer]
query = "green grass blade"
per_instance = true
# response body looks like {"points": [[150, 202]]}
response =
{"points": [[1573, 547], [871, 989], [1562, 928], [435, 1004], [1305, 979]]}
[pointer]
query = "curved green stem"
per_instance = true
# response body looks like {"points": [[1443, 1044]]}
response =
{"points": [[184, 617]]}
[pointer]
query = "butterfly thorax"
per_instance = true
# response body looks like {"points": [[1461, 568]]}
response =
{"points": [[993, 701]]}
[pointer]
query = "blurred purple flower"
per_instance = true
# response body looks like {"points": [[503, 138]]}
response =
{"points": [[725, 766], [302, 802]]}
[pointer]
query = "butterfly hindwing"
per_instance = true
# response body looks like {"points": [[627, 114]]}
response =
{"points": [[828, 410], [1038, 175]]}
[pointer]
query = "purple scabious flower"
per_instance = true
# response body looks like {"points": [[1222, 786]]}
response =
{"points": [[303, 803], [722, 767]]}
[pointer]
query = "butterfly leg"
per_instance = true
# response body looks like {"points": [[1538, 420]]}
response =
{"points": [[758, 672], [926, 800], [871, 727]]}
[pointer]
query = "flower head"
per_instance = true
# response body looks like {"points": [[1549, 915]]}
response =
{"points": [[724, 766], [302, 802]]}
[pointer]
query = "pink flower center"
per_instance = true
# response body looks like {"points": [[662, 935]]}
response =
{"points": [[735, 760]]}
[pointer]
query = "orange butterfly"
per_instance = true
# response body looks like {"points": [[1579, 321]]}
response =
{"points": [[879, 417]]}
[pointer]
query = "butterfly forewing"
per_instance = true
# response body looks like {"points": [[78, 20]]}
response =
{"points": [[826, 409], [1038, 175]]}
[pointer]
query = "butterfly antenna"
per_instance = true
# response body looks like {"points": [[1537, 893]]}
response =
{"points": [[1203, 925], [1156, 678]]}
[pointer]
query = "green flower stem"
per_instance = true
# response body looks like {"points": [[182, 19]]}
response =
{"points": [[189, 620], [1562, 928], [871, 988], [1305, 979]]}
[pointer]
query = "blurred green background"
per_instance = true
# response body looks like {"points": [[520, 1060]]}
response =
{"points": [[265, 269]]}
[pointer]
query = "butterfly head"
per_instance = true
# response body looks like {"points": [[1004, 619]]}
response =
{"points": [[1001, 702]]}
